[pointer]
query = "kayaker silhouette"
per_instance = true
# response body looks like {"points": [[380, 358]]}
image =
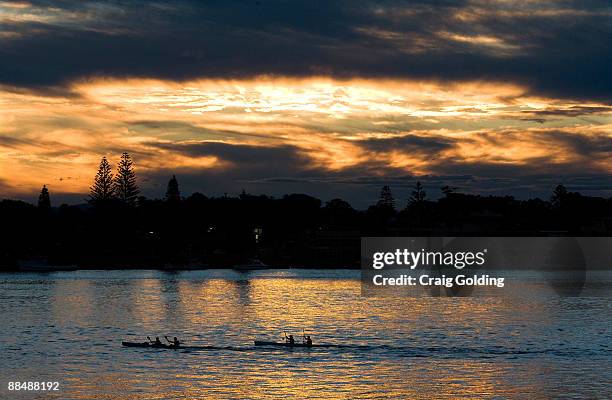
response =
{"points": [[308, 341], [175, 342], [290, 339], [157, 342]]}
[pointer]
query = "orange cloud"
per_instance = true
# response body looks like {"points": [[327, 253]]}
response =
{"points": [[57, 140]]}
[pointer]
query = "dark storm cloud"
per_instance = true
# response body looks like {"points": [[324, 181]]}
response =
{"points": [[560, 48], [175, 129], [409, 144], [594, 146], [252, 158], [573, 111]]}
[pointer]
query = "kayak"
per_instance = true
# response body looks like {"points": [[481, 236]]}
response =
{"points": [[281, 344], [147, 344], [166, 346]]}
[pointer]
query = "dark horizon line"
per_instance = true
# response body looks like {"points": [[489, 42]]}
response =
{"points": [[404, 201]]}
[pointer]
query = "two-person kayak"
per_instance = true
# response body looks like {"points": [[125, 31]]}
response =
{"points": [[148, 344], [167, 346], [172, 344]]}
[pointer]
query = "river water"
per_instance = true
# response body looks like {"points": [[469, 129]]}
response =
{"points": [[68, 327]]}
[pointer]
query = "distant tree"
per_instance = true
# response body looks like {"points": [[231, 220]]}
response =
{"points": [[243, 195], [125, 186], [418, 194], [197, 197], [44, 201], [102, 189], [448, 190], [172, 192], [559, 195], [338, 204], [386, 199]]}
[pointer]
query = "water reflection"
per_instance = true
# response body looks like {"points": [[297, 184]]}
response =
{"points": [[68, 327]]}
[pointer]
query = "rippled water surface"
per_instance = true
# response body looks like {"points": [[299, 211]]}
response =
{"points": [[68, 327]]}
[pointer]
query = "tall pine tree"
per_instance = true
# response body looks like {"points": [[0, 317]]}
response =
{"points": [[102, 189], [172, 193], [418, 194], [44, 201], [558, 197], [386, 200], [125, 186]]}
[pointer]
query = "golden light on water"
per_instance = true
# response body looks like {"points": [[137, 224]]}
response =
{"points": [[233, 312]]}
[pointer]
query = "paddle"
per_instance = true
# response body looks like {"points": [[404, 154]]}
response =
{"points": [[305, 339], [149, 339]]}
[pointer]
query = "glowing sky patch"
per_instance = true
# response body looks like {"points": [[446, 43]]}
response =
{"points": [[334, 125], [335, 99]]}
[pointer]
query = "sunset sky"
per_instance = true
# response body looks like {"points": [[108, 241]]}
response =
{"points": [[333, 99]]}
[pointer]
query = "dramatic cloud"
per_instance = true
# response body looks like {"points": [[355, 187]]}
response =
{"points": [[557, 47], [331, 99]]}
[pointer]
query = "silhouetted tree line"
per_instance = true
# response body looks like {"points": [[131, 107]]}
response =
{"points": [[118, 228]]}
